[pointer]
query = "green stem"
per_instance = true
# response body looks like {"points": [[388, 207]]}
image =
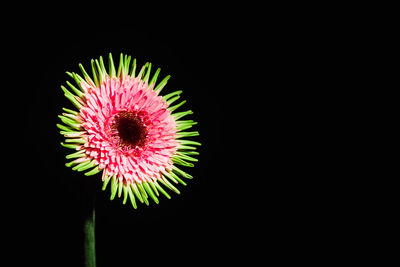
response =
{"points": [[89, 226]]}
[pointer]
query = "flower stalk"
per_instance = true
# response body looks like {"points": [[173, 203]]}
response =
{"points": [[89, 217]]}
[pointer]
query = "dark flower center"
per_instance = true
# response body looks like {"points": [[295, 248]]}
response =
{"points": [[131, 131]]}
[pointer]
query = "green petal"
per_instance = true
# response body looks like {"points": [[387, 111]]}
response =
{"points": [[162, 84], [81, 165], [176, 106], [94, 73], [187, 134], [120, 69], [189, 142], [65, 128], [78, 154], [125, 190], [161, 190], [114, 186], [172, 100], [105, 182], [102, 75], [88, 166], [182, 173], [93, 171], [73, 112], [111, 67], [76, 140], [87, 77], [127, 61], [132, 74], [120, 189], [165, 182], [142, 70], [168, 96], [132, 197], [136, 192], [150, 192], [154, 79], [143, 193], [72, 146], [183, 156], [179, 115], [186, 147], [172, 175], [146, 78]]}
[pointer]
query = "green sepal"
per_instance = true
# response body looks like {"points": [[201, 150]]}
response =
{"points": [[72, 146], [111, 67], [78, 154], [132, 197], [176, 106], [187, 134], [93, 171], [162, 84], [114, 186], [105, 182], [168, 96], [73, 112], [179, 115], [150, 192], [120, 189], [181, 173], [155, 76], [136, 192], [161, 190]]}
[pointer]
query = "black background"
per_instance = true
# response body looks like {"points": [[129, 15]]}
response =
{"points": [[209, 221]]}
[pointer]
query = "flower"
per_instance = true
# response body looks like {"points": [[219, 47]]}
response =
{"points": [[126, 130]]}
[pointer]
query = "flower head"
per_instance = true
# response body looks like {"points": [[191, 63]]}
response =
{"points": [[126, 130]]}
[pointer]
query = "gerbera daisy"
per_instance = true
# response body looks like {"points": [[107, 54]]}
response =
{"points": [[126, 130]]}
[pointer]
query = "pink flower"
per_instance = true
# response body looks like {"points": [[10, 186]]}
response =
{"points": [[125, 129]]}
